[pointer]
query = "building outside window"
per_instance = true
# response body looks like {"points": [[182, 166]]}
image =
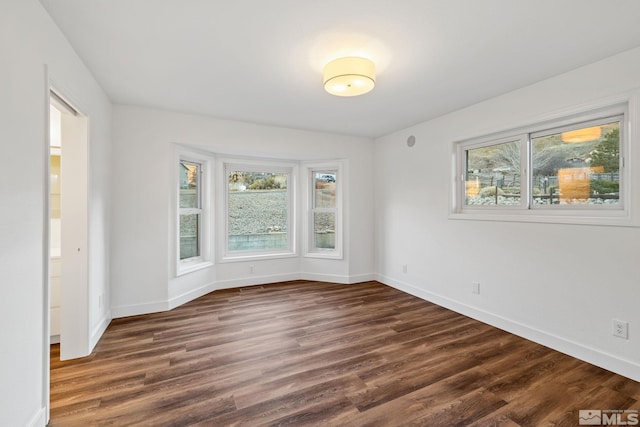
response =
{"points": [[323, 228], [565, 168], [324, 209], [577, 167], [190, 209]]}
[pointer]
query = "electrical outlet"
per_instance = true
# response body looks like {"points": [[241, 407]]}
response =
{"points": [[251, 269], [475, 288], [404, 268], [620, 328]]}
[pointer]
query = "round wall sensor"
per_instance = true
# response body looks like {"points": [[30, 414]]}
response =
{"points": [[411, 141]]}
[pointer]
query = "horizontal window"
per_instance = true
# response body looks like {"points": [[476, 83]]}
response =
{"points": [[567, 170]]}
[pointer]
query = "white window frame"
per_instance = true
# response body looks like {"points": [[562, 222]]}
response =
{"points": [[487, 142], [226, 165], [309, 169], [205, 237], [624, 214]]}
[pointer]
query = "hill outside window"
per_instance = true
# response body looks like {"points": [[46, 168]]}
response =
{"points": [[567, 170], [259, 210]]}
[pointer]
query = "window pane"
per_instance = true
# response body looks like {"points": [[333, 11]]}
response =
{"points": [[189, 192], [189, 245], [257, 211], [324, 230], [578, 167], [493, 175], [324, 195]]}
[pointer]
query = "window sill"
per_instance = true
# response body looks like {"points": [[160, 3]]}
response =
{"points": [[617, 219], [186, 268], [256, 256], [324, 255]]}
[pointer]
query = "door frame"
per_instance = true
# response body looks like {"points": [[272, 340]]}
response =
{"points": [[77, 337]]}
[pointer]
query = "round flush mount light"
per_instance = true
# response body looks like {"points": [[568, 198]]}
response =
{"points": [[349, 76]]}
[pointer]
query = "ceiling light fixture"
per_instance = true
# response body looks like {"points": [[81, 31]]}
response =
{"points": [[349, 76], [582, 135]]}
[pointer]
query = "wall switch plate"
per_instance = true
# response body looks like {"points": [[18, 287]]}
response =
{"points": [[620, 328]]}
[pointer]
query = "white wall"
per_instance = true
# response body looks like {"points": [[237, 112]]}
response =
{"points": [[549, 285], [560, 285], [28, 41], [143, 278]]}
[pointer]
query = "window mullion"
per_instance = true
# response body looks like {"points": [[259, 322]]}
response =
{"points": [[527, 177], [571, 169]]}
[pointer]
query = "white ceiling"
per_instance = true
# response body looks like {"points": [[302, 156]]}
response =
{"points": [[261, 60]]}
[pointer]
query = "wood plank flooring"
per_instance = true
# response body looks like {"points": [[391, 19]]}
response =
{"points": [[311, 353]]}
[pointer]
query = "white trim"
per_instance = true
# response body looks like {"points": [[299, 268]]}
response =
{"points": [[171, 303], [339, 278], [289, 168], [138, 309], [192, 264], [191, 295], [39, 419], [100, 328], [590, 355], [257, 256], [257, 280], [205, 211], [308, 169]]}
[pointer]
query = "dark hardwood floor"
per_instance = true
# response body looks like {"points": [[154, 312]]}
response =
{"points": [[312, 353]]}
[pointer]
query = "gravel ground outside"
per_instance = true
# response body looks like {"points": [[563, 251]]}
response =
{"points": [[265, 211], [259, 212], [254, 212]]}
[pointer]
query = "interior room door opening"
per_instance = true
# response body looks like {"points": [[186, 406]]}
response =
{"points": [[68, 229]]}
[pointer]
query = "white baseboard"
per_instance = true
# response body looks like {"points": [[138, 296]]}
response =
{"points": [[359, 278], [158, 306], [257, 280], [590, 355], [137, 309], [331, 278], [191, 295], [97, 332], [335, 278], [39, 419]]}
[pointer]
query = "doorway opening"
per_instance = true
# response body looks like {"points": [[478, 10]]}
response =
{"points": [[68, 229]]}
